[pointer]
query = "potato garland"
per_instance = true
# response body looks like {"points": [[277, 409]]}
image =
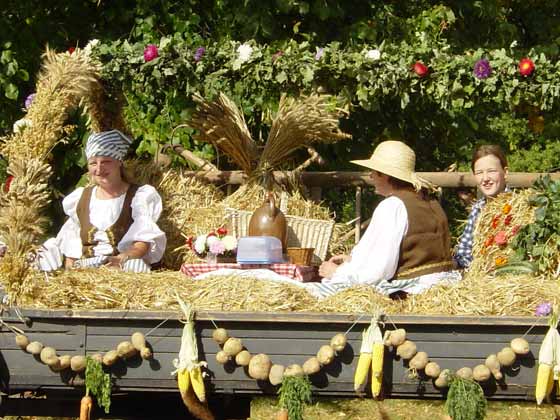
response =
{"points": [[48, 355], [407, 350], [261, 368]]}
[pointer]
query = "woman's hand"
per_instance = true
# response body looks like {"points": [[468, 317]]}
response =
{"points": [[69, 262], [137, 250], [327, 269]]}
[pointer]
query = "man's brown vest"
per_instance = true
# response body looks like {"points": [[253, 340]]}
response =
{"points": [[426, 247], [115, 233]]}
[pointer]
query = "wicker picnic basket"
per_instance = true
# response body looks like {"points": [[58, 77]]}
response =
{"points": [[302, 232]]}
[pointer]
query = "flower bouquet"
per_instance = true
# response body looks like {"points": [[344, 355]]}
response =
{"points": [[214, 246]]}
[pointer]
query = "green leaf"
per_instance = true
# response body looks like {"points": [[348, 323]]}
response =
{"points": [[11, 91]]}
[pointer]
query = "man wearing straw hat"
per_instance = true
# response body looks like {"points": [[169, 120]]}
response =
{"points": [[111, 223], [406, 247]]}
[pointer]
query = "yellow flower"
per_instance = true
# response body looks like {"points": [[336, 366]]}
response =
{"points": [[500, 260], [506, 209]]}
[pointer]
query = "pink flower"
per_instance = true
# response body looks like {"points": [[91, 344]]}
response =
{"points": [[150, 52], [501, 238], [217, 247]]}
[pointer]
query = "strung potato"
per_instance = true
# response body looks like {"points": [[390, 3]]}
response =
{"points": [[22, 341], [138, 341], [222, 357], [465, 373], [406, 350], [506, 356], [243, 358], [220, 335], [34, 348], [126, 350], [442, 380], [419, 361], [520, 346], [146, 353], [54, 364], [338, 342], [397, 337], [311, 366], [65, 361], [481, 373], [47, 353], [325, 355], [110, 357], [259, 366], [78, 363], [276, 374], [293, 370], [432, 369], [494, 366], [233, 346]]}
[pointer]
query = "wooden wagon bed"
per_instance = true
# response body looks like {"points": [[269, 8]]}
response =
{"points": [[453, 342]]}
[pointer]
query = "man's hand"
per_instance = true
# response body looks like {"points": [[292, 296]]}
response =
{"points": [[339, 259], [327, 269]]}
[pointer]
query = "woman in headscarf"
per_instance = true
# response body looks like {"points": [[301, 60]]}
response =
{"points": [[406, 247], [112, 222]]}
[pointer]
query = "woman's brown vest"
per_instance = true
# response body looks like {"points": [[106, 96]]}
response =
{"points": [[426, 247], [115, 233]]}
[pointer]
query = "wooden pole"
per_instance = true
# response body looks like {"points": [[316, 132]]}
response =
{"points": [[340, 179]]}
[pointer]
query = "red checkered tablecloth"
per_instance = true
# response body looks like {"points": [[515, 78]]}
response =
{"points": [[301, 273]]}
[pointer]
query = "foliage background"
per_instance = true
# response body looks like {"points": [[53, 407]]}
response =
{"points": [[441, 116]]}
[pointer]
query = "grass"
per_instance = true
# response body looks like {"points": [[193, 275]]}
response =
{"points": [[401, 409]]}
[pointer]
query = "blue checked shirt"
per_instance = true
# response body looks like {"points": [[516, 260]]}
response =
{"points": [[463, 254]]}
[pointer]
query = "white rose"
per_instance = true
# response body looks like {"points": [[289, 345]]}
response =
{"points": [[90, 46], [21, 125], [229, 242], [373, 55], [244, 51], [211, 239], [200, 244]]}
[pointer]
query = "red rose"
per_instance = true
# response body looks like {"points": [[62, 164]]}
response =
{"points": [[501, 238], [526, 66], [211, 234], [507, 220], [222, 231], [71, 50], [420, 69], [495, 221], [8, 182]]}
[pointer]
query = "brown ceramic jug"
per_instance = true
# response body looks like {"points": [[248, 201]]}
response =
{"points": [[268, 220]]}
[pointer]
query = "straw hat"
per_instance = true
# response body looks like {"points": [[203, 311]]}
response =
{"points": [[396, 159]]}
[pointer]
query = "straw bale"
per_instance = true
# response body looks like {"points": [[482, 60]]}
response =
{"points": [[190, 207], [492, 220], [110, 289]]}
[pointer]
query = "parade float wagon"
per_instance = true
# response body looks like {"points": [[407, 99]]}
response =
{"points": [[484, 316]]}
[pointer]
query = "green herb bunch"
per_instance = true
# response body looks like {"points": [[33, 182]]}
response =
{"points": [[539, 242], [99, 383], [465, 400], [295, 392]]}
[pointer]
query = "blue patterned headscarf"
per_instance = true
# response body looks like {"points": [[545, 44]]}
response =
{"points": [[112, 144]]}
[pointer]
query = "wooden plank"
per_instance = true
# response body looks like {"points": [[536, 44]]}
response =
{"points": [[295, 317]]}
